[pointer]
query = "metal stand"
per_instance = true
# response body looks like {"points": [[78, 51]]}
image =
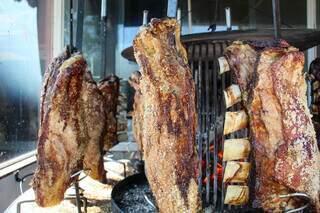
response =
{"points": [[78, 197]]}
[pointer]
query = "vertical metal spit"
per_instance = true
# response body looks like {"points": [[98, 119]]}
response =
{"points": [[145, 17], [222, 111], [80, 16], [214, 125], [276, 18], [228, 18], [172, 8], [103, 37], [71, 23]]}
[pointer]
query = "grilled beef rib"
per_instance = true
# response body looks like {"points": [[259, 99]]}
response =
{"points": [[70, 128], [283, 139], [168, 128]]}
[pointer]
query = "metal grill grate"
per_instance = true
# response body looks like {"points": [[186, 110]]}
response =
{"points": [[202, 58]]}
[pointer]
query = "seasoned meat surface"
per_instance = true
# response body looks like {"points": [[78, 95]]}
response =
{"points": [[69, 138], [137, 117], [109, 88], [167, 94], [283, 137], [93, 106]]}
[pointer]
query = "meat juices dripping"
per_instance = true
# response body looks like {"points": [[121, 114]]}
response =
{"points": [[283, 139], [167, 121], [70, 128]]}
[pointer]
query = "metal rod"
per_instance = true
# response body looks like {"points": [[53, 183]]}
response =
{"points": [[80, 15], [295, 195], [172, 8], [189, 16], [222, 110], [103, 9], [145, 17], [76, 185], [179, 16], [207, 123], [276, 19], [228, 18], [76, 174], [71, 24], [215, 129], [199, 103], [149, 201], [103, 37]]}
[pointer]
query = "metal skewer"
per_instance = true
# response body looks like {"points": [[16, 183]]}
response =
{"points": [[302, 195], [145, 17], [78, 196], [228, 18], [149, 201], [276, 18]]}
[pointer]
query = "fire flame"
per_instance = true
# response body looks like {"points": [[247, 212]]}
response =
{"points": [[218, 169]]}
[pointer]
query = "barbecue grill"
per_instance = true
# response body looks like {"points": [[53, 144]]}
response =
{"points": [[203, 51]]}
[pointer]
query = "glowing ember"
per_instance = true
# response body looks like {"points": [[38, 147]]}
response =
{"points": [[218, 169]]}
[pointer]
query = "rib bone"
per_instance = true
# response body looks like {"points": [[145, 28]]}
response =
{"points": [[236, 149], [237, 195], [232, 95], [236, 172], [223, 65], [235, 121]]}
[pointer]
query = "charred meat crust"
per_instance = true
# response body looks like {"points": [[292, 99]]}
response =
{"points": [[280, 122], [109, 88], [165, 108], [70, 129]]}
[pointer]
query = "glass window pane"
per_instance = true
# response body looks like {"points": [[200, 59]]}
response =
{"points": [[24, 52], [91, 38], [246, 14]]}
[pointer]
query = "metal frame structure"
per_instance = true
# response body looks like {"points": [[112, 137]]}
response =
{"points": [[78, 197]]}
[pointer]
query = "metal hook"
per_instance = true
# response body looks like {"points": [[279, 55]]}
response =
{"points": [[296, 195]]}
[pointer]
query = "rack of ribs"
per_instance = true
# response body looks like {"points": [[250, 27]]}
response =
{"points": [[167, 94], [69, 138], [137, 116], [109, 88], [283, 139]]}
